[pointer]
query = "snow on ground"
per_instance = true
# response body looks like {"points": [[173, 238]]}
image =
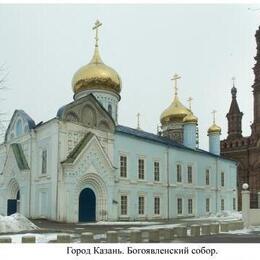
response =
{"points": [[244, 231], [15, 223], [224, 215], [155, 227], [107, 223]]}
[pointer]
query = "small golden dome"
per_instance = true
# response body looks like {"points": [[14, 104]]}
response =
{"points": [[175, 112], [190, 118], [96, 75], [214, 129]]}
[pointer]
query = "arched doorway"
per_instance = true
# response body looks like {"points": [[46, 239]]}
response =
{"points": [[87, 205], [13, 205]]}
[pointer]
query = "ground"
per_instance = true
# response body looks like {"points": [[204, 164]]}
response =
{"points": [[49, 230]]}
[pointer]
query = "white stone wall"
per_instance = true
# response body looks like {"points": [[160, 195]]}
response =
{"points": [[168, 189]]}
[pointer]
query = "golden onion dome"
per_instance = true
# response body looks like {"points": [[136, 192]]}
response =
{"points": [[190, 118], [96, 75], [214, 129], [175, 112]]}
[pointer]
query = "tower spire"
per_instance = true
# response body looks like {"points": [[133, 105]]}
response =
{"points": [[234, 116], [233, 90], [256, 86]]}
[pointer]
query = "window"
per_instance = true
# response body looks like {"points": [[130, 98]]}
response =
{"points": [[207, 177], [189, 174], [222, 204], [207, 205], [123, 205], [156, 171], [123, 166], [222, 179], [141, 169], [234, 203], [141, 205], [179, 205], [110, 109], [190, 210], [44, 161], [157, 206], [179, 179]]}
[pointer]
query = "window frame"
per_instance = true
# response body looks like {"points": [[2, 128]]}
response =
{"points": [[189, 174], [110, 109], [179, 206], [222, 204], [124, 205], [123, 168], [207, 206], [157, 206], [44, 161], [141, 168], [178, 173], [222, 179], [190, 206], [156, 170], [141, 205], [207, 177]]}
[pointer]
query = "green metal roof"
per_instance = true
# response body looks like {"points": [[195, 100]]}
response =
{"points": [[78, 148], [20, 157]]}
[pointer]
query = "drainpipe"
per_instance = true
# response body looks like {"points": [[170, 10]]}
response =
{"points": [[58, 170], [216, 185], [168, 184], [30, 177]]}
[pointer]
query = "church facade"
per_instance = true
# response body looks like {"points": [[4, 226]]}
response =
{"points": [[245, 149], [83, 166]]}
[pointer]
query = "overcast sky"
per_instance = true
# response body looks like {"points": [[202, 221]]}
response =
{"points": [[42, 46]]}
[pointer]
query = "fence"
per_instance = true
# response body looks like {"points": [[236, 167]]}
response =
{"points": [[165, 235]]}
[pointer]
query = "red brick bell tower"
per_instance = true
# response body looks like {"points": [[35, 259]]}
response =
{"points": [[245, 150]]}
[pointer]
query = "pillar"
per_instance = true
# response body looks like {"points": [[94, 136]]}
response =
{"points": [[245, 207]]}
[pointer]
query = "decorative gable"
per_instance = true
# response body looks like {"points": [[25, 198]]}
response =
{"points": [[89, 112], [20, 124], [89, 144]]}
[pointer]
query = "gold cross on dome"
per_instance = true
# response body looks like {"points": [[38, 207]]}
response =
{"points": [[97, 25], [138, 121], [175, 78], [189, 100], [214, 116]]}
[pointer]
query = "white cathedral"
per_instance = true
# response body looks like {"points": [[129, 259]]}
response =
{"points": [[83, 166]]}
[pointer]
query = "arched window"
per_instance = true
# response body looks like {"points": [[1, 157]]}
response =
{"points": [[110, 109], [18, 128]]}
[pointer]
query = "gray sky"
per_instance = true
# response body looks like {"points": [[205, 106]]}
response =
{"points": [[42, 46]]}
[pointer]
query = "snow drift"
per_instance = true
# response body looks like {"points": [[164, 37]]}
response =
{"points": [[220, 216], [15, 223]]}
